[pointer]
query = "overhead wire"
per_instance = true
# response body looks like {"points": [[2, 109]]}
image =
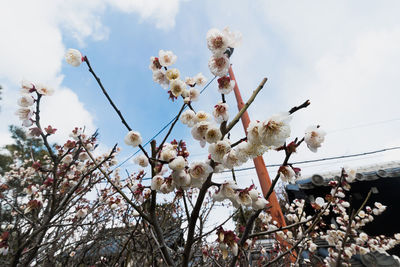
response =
{"points": [[162, 129], [330, 132], [314, 160]]}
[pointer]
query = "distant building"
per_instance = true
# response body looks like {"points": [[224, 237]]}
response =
{"points": [[383, 180]]}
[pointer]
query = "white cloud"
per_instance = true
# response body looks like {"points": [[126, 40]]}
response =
{"points": [[32, 48], [161, 12], [343, 56], [64, 111]]}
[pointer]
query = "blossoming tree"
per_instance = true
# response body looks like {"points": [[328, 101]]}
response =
{"points": [[56, 188]]}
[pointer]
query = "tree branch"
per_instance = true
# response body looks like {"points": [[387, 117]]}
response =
{"points": [[245, 107]]}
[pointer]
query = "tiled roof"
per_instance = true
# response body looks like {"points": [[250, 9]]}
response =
{"points": [[365, 173]]}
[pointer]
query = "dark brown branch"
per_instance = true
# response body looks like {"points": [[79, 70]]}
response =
{"points": [[106, 94], [348, 230], [193, 219], [245, 107], [280, 229], [111, 102], [304, 105], [239, 141], [170, 128], [128, 200], [250, 222], [285, 162], [152, 211]]}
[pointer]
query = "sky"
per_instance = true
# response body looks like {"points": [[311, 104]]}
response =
{"points": [[342, 55]]}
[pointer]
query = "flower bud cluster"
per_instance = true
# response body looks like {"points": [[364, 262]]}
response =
{"points": [[247, 197], [27, 100], [171, 78], [227, 239], [218, 43]]}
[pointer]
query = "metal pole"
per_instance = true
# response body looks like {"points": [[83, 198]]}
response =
{"points": [[259, 164]]}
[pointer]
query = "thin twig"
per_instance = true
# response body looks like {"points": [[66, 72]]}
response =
{"points": [[170, 128], [245, 107], [280, 228], [304, 105], [111, 102]]}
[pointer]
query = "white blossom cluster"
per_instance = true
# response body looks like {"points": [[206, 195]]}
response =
{"points": [[171, 77], [248, 197], [27, 100], [218, 42]]}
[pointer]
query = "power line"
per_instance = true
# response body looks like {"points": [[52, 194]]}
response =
{"points": [[364, 125], [323, 159], [313, 160], [162, 129], [329, 132]]}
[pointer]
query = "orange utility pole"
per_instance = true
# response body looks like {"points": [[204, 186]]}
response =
{"points": [[261, 169]]}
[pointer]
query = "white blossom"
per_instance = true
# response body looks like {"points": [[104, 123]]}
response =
{"points": [[154, 64], [234, 38], [364, 237], [199, 130], [244, 198], [235, 248], [286, 173], [314, 137], [241, 152], [26, 87], [260, 203], [83, 156], [24, 113], [312, 247], [231, 160], [177, 87], [194, 94], [351, 175], [217, 41], [190, 81], [25, 101], [253, 132], [219, 65], [142, 161], [228, 189], [166, 58], [202, 116], [160, 78], [220, 112], [73, 57], [199, 170], [168, 154], [213, 134], [275, 131], [253, 193], [200, 79], [218, 196], [181, 179], [67, 159], [179, 163], [188, 117], [156, 182], [44, 89], [225, 85], [167, 187], [27, 123], [133, 139], [250, 150], [219, 149], [172, 74], [81, 213]]}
